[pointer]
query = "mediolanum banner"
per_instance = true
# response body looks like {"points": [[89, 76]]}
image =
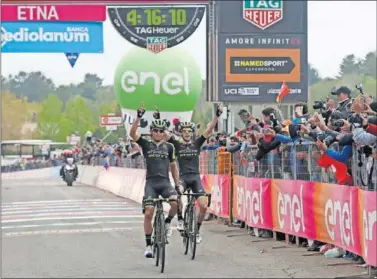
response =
{"points": [[260, 45]]}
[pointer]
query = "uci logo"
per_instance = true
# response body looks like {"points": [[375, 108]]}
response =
{"points": [[230, 91]]}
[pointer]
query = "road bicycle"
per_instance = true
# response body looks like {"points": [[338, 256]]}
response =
{"points": [[159, 237], [190, 227]]}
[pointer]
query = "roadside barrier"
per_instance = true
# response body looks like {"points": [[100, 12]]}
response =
{"points": [[32, 174], [341, 215]]}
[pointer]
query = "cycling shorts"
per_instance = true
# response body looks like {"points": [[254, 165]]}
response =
{"points": [[194, 182], [155, 187]]}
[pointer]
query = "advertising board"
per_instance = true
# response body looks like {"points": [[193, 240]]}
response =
{"points": [[254, 66], [260, 45]]}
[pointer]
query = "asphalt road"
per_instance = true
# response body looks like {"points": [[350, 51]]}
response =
{"points": [[50, 230]]}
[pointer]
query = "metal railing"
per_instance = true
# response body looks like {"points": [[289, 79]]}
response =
{"points": [[290, 161], [30, 165]]}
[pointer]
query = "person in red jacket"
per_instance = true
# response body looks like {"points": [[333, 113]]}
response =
{"points": [[372, 129]]}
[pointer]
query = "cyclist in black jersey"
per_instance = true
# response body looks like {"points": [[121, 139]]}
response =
{"points": [[188, 152], [159, 156]]}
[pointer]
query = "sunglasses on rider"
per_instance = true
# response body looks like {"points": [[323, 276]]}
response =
{"points": [[187, 131], [161, 131]]}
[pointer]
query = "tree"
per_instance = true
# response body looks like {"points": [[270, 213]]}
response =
{"points": [[368, 65], [76, 118], [16, 112], [49, 118], [313, 75], [34, 85], [90, 85], [350, 65]]}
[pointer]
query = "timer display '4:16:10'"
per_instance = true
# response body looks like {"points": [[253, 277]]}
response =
{"points": [[155, 18]]}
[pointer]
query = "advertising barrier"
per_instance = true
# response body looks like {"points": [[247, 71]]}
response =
{"points": [[219, 187], [252, 201], [340, 215]]}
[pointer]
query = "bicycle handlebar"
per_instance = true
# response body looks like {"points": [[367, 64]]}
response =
{"points": [[160, 199]]}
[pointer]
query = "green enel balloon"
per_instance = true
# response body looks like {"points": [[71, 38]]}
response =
{"points": [[170, 79]]}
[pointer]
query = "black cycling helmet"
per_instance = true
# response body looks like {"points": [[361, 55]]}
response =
{"points": [[186, 125], [158, 124]]}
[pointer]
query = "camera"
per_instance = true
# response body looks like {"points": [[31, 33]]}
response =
{"points": [[356, 120], [274, 119], [321, 136], [321, 105], [338, 123], [359, 87]]}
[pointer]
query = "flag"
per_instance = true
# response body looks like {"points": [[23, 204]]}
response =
{"points": [[341, 172], [284, 91]]}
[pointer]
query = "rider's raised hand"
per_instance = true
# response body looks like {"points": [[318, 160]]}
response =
{"points": [[140, 112]]}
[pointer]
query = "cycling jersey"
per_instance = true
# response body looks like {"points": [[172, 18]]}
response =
{"points": [[188, 155], [157, 156]]}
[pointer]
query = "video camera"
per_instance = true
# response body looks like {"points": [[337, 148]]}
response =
{"points": [[321, 105]]}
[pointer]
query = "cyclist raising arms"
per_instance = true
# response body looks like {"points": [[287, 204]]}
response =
{"points": [[159, 156], [188, 152]]}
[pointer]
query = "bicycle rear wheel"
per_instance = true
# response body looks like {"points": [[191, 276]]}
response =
{"points": [[162, 241], [193, 232], [186, 230]]}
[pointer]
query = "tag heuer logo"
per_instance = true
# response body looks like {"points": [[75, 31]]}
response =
{"points": [[157, 44], [263, 13]]}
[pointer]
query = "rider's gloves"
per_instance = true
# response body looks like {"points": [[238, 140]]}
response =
{"points": [[156, 115], [140, 112]]}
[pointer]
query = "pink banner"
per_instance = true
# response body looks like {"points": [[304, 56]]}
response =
{"points": [[53, 12], [110, 1], [252, 201], [218, 186], [367, 201], [292, 207], [336, 215]]}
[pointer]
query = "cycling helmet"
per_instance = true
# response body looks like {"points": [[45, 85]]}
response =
{"points": [[187, 125], [158, 124]]}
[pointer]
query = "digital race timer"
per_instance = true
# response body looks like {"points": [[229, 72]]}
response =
{"points": [[156, 28]]}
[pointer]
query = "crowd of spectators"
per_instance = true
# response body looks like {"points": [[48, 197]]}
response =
{"points": [[24, 164], [338, 138]]}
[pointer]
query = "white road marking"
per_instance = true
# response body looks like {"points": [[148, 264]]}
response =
{"points": [[71, 218], [79, 205], [10, 234], [65, 202], [9, 213], [69, 224]]}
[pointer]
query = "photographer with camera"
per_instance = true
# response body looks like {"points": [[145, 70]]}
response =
{"points": [[343, 95]]}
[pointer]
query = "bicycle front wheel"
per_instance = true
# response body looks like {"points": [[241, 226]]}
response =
{"points": [[156, 240], [162, 241], [193, 232], [186, 230]]}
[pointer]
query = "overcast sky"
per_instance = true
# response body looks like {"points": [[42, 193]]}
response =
{"points": [[336, 28]]}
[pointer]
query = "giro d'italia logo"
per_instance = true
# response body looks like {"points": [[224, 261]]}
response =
{"points": [[263, 13]]}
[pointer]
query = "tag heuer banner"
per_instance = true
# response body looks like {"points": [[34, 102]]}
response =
{"points": [[260, 45]]}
